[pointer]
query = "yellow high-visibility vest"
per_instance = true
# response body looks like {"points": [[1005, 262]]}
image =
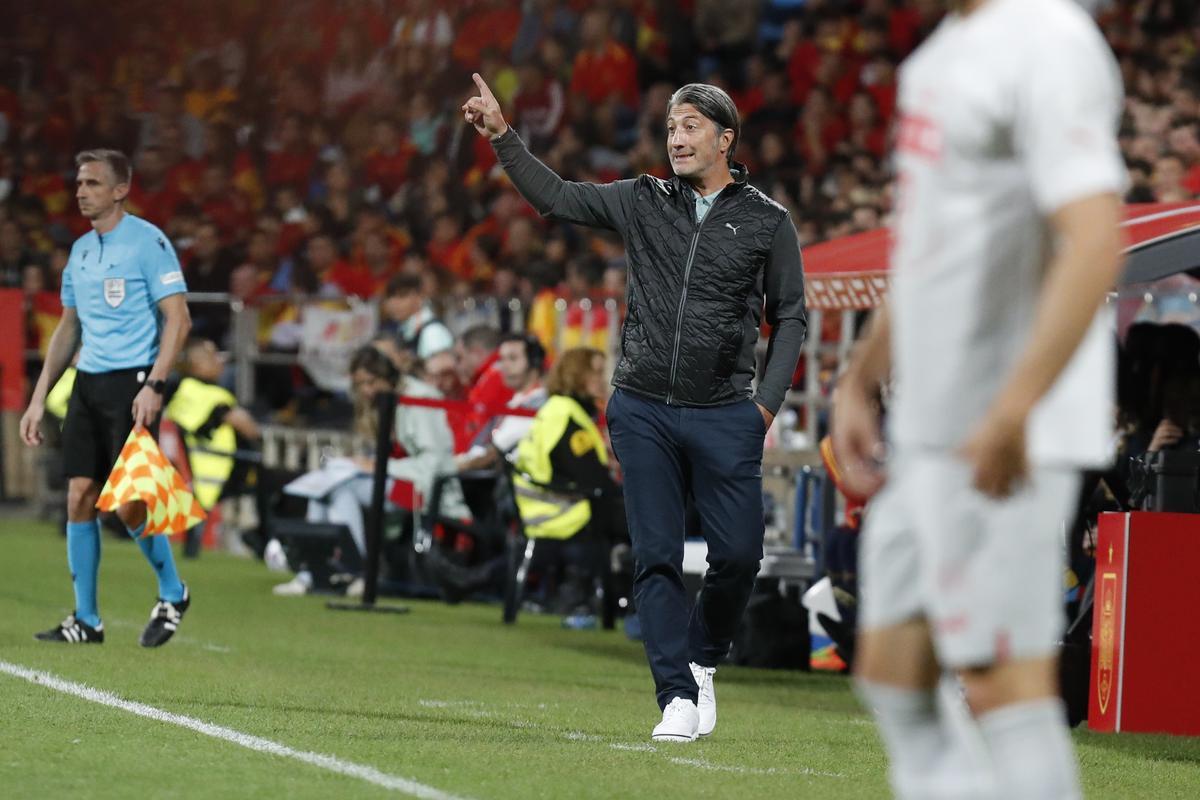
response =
{"points": [[210, 454], [545, 514]]}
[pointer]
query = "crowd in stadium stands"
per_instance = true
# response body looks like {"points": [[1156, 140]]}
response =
{"points": [[315, 147]]}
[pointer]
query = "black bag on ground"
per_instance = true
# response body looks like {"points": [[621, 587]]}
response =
{"points": [[773, 634]]}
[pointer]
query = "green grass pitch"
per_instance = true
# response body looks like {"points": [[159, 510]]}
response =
{"points": [[446, 697]]}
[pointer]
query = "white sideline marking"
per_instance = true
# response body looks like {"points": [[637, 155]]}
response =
{"points": [[448, 703], [702, 764], [256, 743]]}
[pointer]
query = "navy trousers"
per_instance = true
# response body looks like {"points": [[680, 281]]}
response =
{"points": [[715, 454]]}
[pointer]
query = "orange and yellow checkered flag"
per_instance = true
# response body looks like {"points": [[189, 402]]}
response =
{"points": [[143, 473]]}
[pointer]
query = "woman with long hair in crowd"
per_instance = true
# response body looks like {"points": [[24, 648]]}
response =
{"points": [[422, 450]]}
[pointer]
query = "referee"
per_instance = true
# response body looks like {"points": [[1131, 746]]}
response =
{"points": [[708, 256], [123, 299]]}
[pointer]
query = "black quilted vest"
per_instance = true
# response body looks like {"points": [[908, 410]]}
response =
{"points": [[695, 295]]}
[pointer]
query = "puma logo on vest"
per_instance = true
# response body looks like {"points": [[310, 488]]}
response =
{"points": [[727, 225]]}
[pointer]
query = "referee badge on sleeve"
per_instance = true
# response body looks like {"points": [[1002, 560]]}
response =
{"points": [[114, 291]]}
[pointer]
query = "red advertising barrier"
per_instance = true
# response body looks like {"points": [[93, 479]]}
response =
{"points": [[12, 350], [1144, 651]]}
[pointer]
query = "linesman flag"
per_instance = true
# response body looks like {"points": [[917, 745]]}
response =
{"points": [[143, 473]]}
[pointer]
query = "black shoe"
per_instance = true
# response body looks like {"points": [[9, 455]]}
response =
{"points": [[164, 620], [72, 631]]}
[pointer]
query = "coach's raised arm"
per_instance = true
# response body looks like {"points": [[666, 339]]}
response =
{"points": [[598, 205]]}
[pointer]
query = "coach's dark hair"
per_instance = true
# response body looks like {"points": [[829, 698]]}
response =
{"points": [[714, 103], [117, 161]]}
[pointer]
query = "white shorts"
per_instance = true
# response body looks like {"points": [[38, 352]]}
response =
{"points": [[986, 574]]}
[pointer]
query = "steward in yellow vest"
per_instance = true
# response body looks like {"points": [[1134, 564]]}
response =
{"points": [[209, 419], [563, 449]]}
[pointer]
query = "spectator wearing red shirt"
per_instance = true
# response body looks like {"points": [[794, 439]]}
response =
{"points": [[1184, 139], [223, 204], [819, 130], [291, 160], [603, 68], [488, 394], [866, 132], [296, 223], [802, 68], [776, 113], [822, 49], [492, 24], [42, 127], [538, 106], [323, 261], [184, 173], [368, 277], [372, 220], [447, 248], [879, 79], [150, 196], [43, 308], [441, 372], [749, 97], [48, 186], [251, 281], [387, 164]]}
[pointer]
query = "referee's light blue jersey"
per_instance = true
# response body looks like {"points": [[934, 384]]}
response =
{"points": [[115, 282]]}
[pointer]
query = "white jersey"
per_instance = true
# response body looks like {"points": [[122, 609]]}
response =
{"points": [[1007, 114]]}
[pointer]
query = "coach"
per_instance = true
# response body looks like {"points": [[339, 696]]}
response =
{"points": [[123, 301], [707, 253]]}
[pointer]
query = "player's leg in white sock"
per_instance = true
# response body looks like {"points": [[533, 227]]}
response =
{"points": [[1031, 750], [912, 733], [897, 679], [1024, 726]]}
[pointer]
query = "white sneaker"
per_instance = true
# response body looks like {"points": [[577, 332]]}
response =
{"points": [[297, 586], [274, 557], [707, 702], [679, 722]]}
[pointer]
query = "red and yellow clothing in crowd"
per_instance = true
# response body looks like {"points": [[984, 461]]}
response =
{"points": [[578, 330], [598, 76]]}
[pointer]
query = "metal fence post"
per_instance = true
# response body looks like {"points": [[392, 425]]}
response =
{"points": [[245, 350]]}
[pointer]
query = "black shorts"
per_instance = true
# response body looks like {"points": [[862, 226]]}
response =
{"points": [[99, 419]]}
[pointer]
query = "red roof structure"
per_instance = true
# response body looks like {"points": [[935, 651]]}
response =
{"points": [[851, 273]]}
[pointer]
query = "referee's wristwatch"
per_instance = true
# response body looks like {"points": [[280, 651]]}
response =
{"points": [[159, 387]]}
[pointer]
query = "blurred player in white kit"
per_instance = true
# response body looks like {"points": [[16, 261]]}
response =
{"points": [[1009, 186]]}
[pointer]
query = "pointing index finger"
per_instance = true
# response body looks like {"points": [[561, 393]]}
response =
{"points": [[484, 91]]}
